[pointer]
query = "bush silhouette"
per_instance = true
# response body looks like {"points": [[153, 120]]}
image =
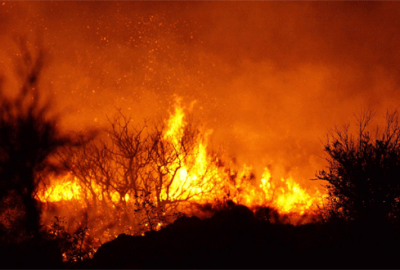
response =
{"points": [[364, 171]]}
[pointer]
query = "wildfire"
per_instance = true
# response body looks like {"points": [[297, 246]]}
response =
{"points": [[185, 174], [61, 190], [68, 188], [290, 197], [198, 178]]}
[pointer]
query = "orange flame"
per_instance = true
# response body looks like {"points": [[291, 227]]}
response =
{"points": [[68, 188], [197, 178]]}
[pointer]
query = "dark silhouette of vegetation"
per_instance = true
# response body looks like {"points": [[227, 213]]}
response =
{"points": [[72, 245], [29, 138], [364, 171]]}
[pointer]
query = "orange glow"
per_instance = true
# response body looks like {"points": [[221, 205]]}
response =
{"points": [[267, 87], [199, 179], [68, 188], [61, 191], [192, 176], [288, 198]]}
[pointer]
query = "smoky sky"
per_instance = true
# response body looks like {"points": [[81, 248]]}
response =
{"points": [[269, 78]]}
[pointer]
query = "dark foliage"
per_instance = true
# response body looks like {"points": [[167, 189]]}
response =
{"points": [[28, 136], [364, 172], [72, 246]]}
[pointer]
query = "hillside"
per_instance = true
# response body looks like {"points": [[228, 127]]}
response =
{"points": [[234, 238]]}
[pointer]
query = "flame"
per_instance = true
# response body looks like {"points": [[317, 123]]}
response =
{"points": [[290, 198], [175, 124], [193, 176], [61, 190], [198, 177], [68, 188], [194, 173]]}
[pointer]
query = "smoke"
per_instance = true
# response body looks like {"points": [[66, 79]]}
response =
{"points": [[270, 78]]}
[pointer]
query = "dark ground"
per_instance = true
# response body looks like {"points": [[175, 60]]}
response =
{"points": [[232, 238]]}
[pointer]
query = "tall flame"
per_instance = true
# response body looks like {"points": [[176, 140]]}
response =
{"points": [[192, 180], [194, 176]]}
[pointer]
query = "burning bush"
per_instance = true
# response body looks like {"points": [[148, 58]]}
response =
{"points": [[139, 180]]}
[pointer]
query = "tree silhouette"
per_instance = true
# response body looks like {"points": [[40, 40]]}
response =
{"points": [[364, 171], [28, 137]]}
